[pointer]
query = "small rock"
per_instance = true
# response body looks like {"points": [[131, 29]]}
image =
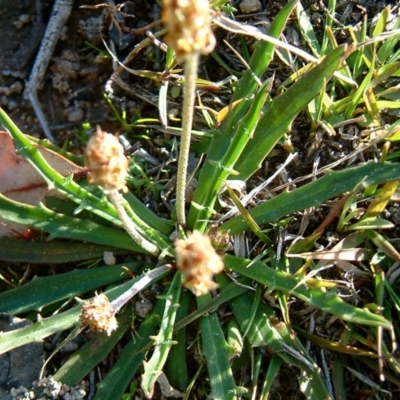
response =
{"points": [[12, 105], [250, 6], [75, 115], [143, 308], [23, 19], [17, 87]]}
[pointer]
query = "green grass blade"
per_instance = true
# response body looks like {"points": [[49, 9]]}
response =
{"points": [[214, 347], [113, 386], [229, 292], [62, 226], [307, 30], [284, 108], [163, 341], [389, 45], [176, 367], [334, 183], [154, 221], [263, 329], [55, 252], [59, 322], [42, 291], [310, 380], [327, 301], [80, 363], [40, 330], [246, 86], [244, 132], [272, 373]]}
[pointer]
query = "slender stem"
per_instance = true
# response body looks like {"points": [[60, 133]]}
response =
{"points": [[116, 199], [120, 301], [191, 65]]}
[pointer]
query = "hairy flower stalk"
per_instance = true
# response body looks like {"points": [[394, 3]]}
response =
{"points": [[189, 34], [108, 167]]}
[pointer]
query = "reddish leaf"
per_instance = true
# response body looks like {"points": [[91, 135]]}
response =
{"points": [[19, 181]]}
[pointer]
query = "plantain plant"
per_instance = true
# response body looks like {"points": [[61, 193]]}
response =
{"points": [[261, 288]]}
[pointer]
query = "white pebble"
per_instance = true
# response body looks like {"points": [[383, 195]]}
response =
{"points": [[75, 115], [250, 6]]}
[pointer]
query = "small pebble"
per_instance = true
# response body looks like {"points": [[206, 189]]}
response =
{"points": [[250, 6], [109, 258], [143, 308], [12, 105], [23, 19], [17, 87], [75, 115]]}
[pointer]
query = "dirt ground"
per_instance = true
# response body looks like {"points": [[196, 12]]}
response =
{"points": [[72, 90]]}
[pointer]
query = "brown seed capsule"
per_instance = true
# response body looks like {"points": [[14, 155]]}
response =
{"points": [[105, 159], [98, 314], [198, 262], [188, 23]]}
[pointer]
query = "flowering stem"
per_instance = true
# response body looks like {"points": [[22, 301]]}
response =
{"points": [[191, 65], [116, 199]]}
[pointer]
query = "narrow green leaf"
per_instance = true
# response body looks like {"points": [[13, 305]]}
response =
{"points": [[229, 292], [63, 226], [264, 329], [214, 347], [176, 367], [246, 86], [80, 363], [68, 187], [59, 322], [272, 373], [163, 341], [327, 301], [113, 386], [40, 330], [334, 183], [307, 30], [54, 252], [284, 108], [40, 292]]}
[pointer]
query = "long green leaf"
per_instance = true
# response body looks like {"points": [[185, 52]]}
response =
{"points": [[57, 251], [114, 384], [62, 226], [334, 183], [59, 322], [221, 140], [68, 187], [43, 291], [327, 301], [176, 367], [272, 126], [80, 363], [214, 348], [264, 330], [163, 341], [277, 120]]}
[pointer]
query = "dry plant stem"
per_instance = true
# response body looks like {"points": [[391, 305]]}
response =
{"points": [[116, 199], [191, 65], [120, 301], [59, 16]]}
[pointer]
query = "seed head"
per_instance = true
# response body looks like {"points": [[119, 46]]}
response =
{"points": [[98, 314], [105, 159], [198, 262], [188, 23]]}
